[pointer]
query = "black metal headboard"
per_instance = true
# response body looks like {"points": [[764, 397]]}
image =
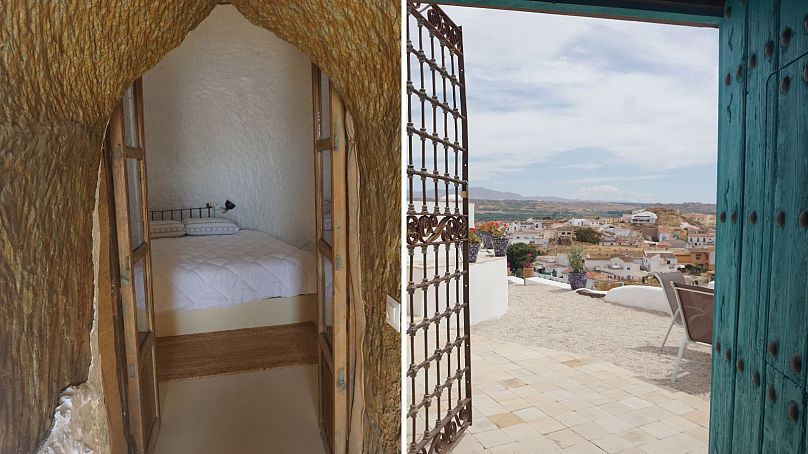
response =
{"points": [[179, 214]]}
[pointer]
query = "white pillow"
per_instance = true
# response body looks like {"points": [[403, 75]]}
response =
{"points": [[166, 229], [210, 226]]}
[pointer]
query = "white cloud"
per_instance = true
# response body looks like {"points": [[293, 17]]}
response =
{"points": [[646, 93], [609, 192], [592, 180], [582, 166]]}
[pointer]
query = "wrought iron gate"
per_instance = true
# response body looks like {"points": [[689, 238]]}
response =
{"points": [[439, 375]]}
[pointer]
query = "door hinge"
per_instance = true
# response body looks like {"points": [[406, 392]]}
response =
{"points": [[338, 262], [117, 151], [341, 378], [131, 370]]}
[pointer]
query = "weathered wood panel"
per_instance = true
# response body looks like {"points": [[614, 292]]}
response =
{"points": [[754, 289], [784, 430], [109, 322], [731, 145], [793, 30], [788, 313]]}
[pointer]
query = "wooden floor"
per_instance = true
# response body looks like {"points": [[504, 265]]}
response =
{"points": [[226, 352]]}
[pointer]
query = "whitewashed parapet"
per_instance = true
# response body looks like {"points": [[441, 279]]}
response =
{"points": [[639, 296]]}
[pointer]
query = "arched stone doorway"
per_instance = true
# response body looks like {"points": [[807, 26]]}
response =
{"points": [[65, 67]]}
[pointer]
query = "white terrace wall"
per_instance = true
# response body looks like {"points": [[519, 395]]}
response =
{"points": [[228, 116]]}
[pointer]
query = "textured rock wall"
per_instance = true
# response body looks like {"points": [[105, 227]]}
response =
{"points": [[63, 61], [47, 177], [80, 421], [63, 66]]}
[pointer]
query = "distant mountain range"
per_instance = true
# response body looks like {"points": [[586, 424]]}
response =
{"points": [[480, 193], [491, 204]]}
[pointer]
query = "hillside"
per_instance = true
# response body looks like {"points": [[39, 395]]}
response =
{"points": [[538, 209]]}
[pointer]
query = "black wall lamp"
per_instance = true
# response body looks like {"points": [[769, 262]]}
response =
{"points": [[228, 205]]}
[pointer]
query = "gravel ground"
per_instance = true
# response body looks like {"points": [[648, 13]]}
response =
{"points": [[563, 320]]}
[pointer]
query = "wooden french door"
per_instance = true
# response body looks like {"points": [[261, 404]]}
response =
{"points": [[331, 214], [128, 158]]}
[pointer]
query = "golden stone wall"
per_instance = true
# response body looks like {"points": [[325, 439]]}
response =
{"points": [[63, 66]]}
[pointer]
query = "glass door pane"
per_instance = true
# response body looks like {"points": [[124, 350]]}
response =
{"points": [[324, 108], [135, 203], [326, 196], [130, 129], [141, 297], [327, 299]]}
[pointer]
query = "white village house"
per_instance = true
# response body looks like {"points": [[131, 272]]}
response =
{"points": [[700, 239], [643, 217], [659, 261]]}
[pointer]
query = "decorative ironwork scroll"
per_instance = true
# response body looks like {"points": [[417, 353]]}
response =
{"points": [[439, 374]]}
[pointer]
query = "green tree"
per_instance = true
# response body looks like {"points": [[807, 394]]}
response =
{"points": [[521, 253], [587, 235]]}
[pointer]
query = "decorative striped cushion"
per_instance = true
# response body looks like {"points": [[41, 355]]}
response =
{"points": [[210, 226], [166, 229]]}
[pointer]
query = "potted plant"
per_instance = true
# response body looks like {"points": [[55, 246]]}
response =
{"points": [[499, 241], [474, 245], [485, 231], [521, 257], [577, 277], [527, 267]]}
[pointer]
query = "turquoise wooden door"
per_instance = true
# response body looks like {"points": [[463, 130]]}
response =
{"points": [[758, 385]]}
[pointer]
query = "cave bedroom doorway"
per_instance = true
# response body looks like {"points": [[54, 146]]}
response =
{"points": [[230, 246]]}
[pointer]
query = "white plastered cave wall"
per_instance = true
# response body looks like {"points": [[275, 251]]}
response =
{"points": [[228, 115]]}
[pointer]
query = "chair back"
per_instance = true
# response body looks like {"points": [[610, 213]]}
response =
{"points": [[665, 280], [696, 305]]}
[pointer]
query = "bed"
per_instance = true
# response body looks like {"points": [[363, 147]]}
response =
{"points": [[221, 282]]}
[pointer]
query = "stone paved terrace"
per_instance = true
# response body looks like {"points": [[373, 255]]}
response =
{"points": [[537, 400], [531, 399], [559, 319]]}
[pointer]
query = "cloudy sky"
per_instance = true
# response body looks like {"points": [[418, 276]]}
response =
{"points": [[590, 108]]}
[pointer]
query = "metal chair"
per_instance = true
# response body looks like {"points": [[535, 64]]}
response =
{"points": [[665, 280], [696, 309]]}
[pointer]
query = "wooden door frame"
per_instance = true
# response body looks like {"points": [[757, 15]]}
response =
{"points": [[336, 142], [110, 319], [133, 349], [700, 13], [694, 13], [116, 390]]}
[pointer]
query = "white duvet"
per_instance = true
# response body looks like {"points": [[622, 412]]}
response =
{"points": [[201, 272]]}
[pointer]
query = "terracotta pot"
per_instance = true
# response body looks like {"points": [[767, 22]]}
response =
{"points": [[577, 280], [474, 249], [500, 246], [486, 237], [528, 272]]}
